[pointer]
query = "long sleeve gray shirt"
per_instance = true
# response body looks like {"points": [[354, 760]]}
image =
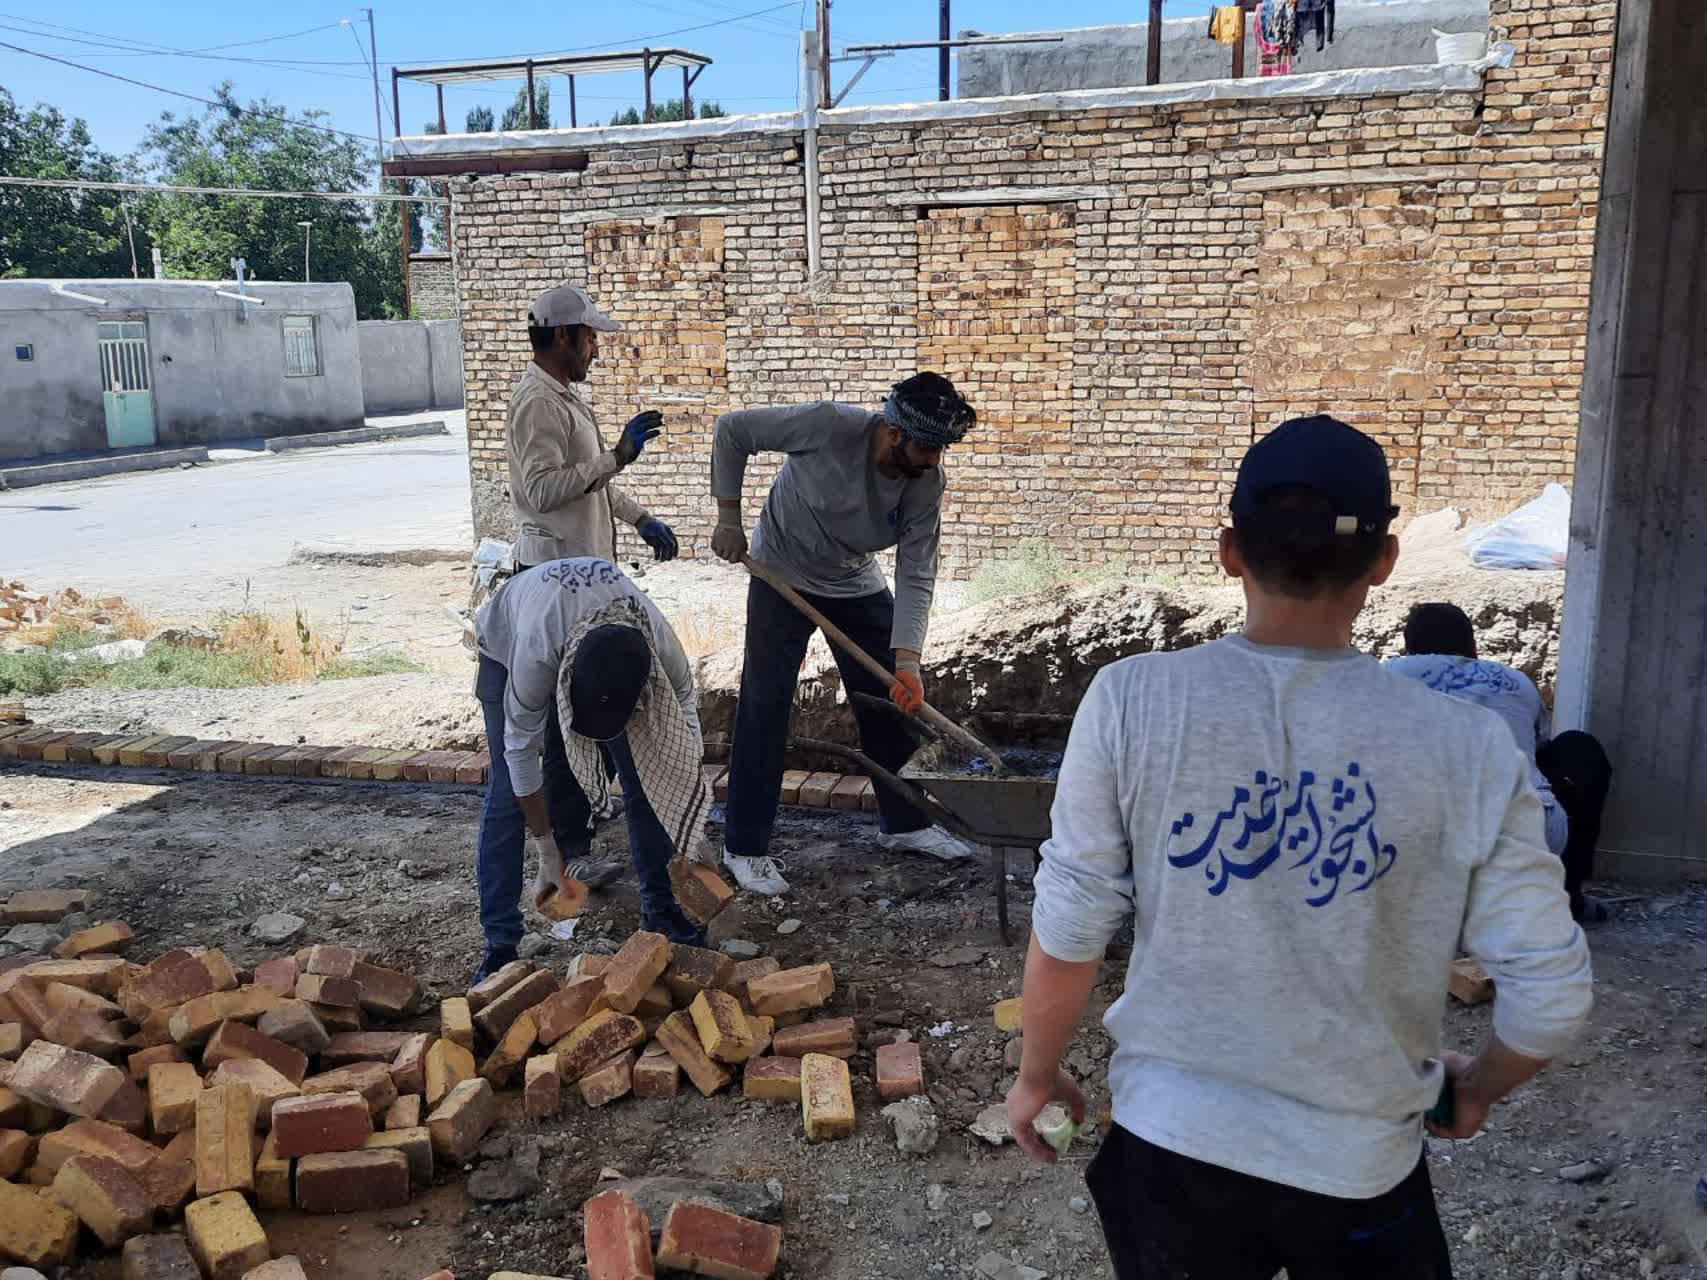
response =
{"points": [[524, 628], [1306, 843], [830, 509]]}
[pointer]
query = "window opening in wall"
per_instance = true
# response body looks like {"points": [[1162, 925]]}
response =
{"points": [[301, 347], [25, 351]]}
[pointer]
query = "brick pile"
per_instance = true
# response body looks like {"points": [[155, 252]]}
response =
{"points": [[135, 1094], [697, 1238]]}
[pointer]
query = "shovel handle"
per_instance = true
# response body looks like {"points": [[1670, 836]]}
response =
{"points": [[927, 713]]}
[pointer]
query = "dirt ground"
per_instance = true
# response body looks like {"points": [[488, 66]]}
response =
{"points": [[194, 860]]}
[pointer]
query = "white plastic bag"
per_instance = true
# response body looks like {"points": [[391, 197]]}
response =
{"points": [[1535, 536]]}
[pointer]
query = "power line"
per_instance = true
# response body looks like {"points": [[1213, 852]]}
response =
{"points": [[161, 188], [126, 47], [629, 42]]}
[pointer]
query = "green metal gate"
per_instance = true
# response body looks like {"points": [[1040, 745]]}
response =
{"points": [[126, 393]]}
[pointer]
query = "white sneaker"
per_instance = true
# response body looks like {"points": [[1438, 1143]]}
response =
{"points": [[932, 840], [757, 875]]}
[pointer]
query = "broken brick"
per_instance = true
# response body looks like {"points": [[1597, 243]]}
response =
{"points": [[598, 1039], [447, 1065], [710, 1242], [494, 985], [224, 1236], [386, 993], [237, 1040], [409, 1064], [792, 990], [173, 1088], [696, 969], [295, 1023], [722, 1027], [272, 1176], [513, 1050], [497, 1017], [94, 1138], [588, 965], [138, 1063], [278, 976], [618, 1238], [268, 1086], [350, 1047], [105, 1197], [746, 970], [103, 937], [641, 961], [542, 1087], [561, 1013], [370, 1079], [900, 1071], [462, 1119], [826, 1097], [225, 1139], [836, 1037], [681, 1041], [699, 890], [1469, 983], [416, 1144], [608, 1081], [14, 1036], [456, 1022], [162, 1257], [34, 1230], [773, 1079], [339, 993], [1009, 1014], [306, 1126], [656, 1075], [352, 1181], [405, 1113]]}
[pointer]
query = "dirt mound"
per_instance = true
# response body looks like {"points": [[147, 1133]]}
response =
{"points": [[1037, 654]]}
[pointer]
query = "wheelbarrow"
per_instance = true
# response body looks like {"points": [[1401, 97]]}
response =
{"points": [[998, 813]]}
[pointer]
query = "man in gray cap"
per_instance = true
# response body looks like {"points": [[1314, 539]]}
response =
{"points": [[560, 469]]}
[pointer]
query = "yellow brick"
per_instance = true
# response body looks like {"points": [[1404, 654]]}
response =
{"points": [[272, 1177], [173, 1088], [35, 1230], [456, 1022], [722, 1027], [1008, 1014], [448, 1065], [826, 1097], [513, 1050], [225, 1139], [225, 1236]]}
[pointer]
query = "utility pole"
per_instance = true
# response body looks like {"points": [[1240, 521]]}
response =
{"points": [[944, 32], [1153, 54], [824, 100], [307, 236], [378, 119]]}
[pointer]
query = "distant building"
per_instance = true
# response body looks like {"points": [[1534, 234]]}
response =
{"points": [[1380, 34]]}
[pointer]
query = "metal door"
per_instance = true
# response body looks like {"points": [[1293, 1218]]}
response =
{"points": [[126, 394]]}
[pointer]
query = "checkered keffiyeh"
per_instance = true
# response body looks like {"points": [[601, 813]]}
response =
{"points": [[662, 736], [933, 421]]}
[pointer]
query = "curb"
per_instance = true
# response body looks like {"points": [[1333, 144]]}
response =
{"points": [[355, 435], [28, 476], [32, 743]]}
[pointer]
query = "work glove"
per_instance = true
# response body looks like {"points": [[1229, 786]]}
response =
{"points": [[908, 691], [659, 536], [729, 542], [642, 428], [550, 874]]}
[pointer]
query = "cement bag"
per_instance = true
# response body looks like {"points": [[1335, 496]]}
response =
{"points": [[1535, 536]]}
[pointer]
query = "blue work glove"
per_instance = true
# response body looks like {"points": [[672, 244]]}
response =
{"points": [[659, 536], [642, 428]]}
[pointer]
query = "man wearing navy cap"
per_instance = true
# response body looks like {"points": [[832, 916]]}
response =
{"points": [[1302, 840]]}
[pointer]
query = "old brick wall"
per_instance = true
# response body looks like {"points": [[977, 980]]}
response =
{"points": [[1123, 343], [432, 287]]}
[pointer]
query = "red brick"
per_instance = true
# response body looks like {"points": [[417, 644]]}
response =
{"points": [[608, 1081], [409, 1064], [325, 1122], [656, 1075], [415, 765], [462, 1119], [833, 1036], [171, 980], [194, 1022], [710, 1242], [542, 1090], [484, 993], [696, 969], [340, 993], [352, 1181], [105, 1197], [170, 1183], [295, 1023], [681, 1040], [495, 1018], [471, 772], [278, 976], [370, 1079], [386, 993], [772, 1079], [340, 1019], [162, 1257], [900, 1071], [330, 962], [351, 1047], [78, 1084], [641, 961], [560, 1014], [618, 1238], [87, 1032], [94, 1138], [235, 1040]]}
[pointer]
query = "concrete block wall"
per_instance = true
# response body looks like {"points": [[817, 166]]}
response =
{"points": [[1124, 343], [410, 365]]}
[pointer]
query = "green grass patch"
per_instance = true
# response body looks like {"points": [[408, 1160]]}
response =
{"points": [[37, 674], [372, 664]]}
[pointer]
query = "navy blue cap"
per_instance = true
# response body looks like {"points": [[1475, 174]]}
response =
{"points": [[612, 665], [1328, 457]]}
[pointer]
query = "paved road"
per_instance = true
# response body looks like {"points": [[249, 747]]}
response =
{"points": [[152, 533]]}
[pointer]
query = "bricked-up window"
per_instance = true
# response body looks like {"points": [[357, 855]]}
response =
{"points": [[996, 316], [664, 282], [1344, 319]]}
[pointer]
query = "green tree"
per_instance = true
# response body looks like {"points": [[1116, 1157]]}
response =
{"points": [[667, 112], [479, 120], [231, 145], [60, 232], [516, 114]]}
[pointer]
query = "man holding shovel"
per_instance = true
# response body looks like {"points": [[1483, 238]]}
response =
{"points": [[855, 483], [576, 663]]}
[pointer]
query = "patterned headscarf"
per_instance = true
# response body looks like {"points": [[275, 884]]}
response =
{"points": [[934, 420]]}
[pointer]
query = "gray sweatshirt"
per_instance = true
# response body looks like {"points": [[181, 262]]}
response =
{"points": [[1307, 842], [523, 628], [830, 509]]}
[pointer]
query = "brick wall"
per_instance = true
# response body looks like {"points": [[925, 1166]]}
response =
{"points": [[432, 287], [1122, 345]]}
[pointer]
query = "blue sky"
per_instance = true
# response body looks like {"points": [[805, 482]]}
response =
{"points": [[302, 58]]}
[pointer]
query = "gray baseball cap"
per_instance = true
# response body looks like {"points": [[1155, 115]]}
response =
{"points": [[569, 304]]}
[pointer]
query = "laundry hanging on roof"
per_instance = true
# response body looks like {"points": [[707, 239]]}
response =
{"points": [[1277, 36], [1318, 14], [1227, 24]]}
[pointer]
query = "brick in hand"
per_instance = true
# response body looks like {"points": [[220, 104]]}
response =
{"points": [[709, 1242], [618, 1238]]}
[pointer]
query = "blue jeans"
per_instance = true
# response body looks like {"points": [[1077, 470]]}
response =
{"points": [[777, 636], [503, 830]]}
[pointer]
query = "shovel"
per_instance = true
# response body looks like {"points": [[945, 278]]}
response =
{"points": [[928, 715]]}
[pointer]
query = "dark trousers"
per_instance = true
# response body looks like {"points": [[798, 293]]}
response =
{"points": [[1168, 1217], [1577, 768], [777, 636]]}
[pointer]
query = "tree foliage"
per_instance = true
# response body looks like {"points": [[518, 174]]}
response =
{"points": [[667, 112], [60, 232]]}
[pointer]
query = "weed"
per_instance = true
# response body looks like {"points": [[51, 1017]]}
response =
{"points": [[372, 664], [1035, 566]]}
